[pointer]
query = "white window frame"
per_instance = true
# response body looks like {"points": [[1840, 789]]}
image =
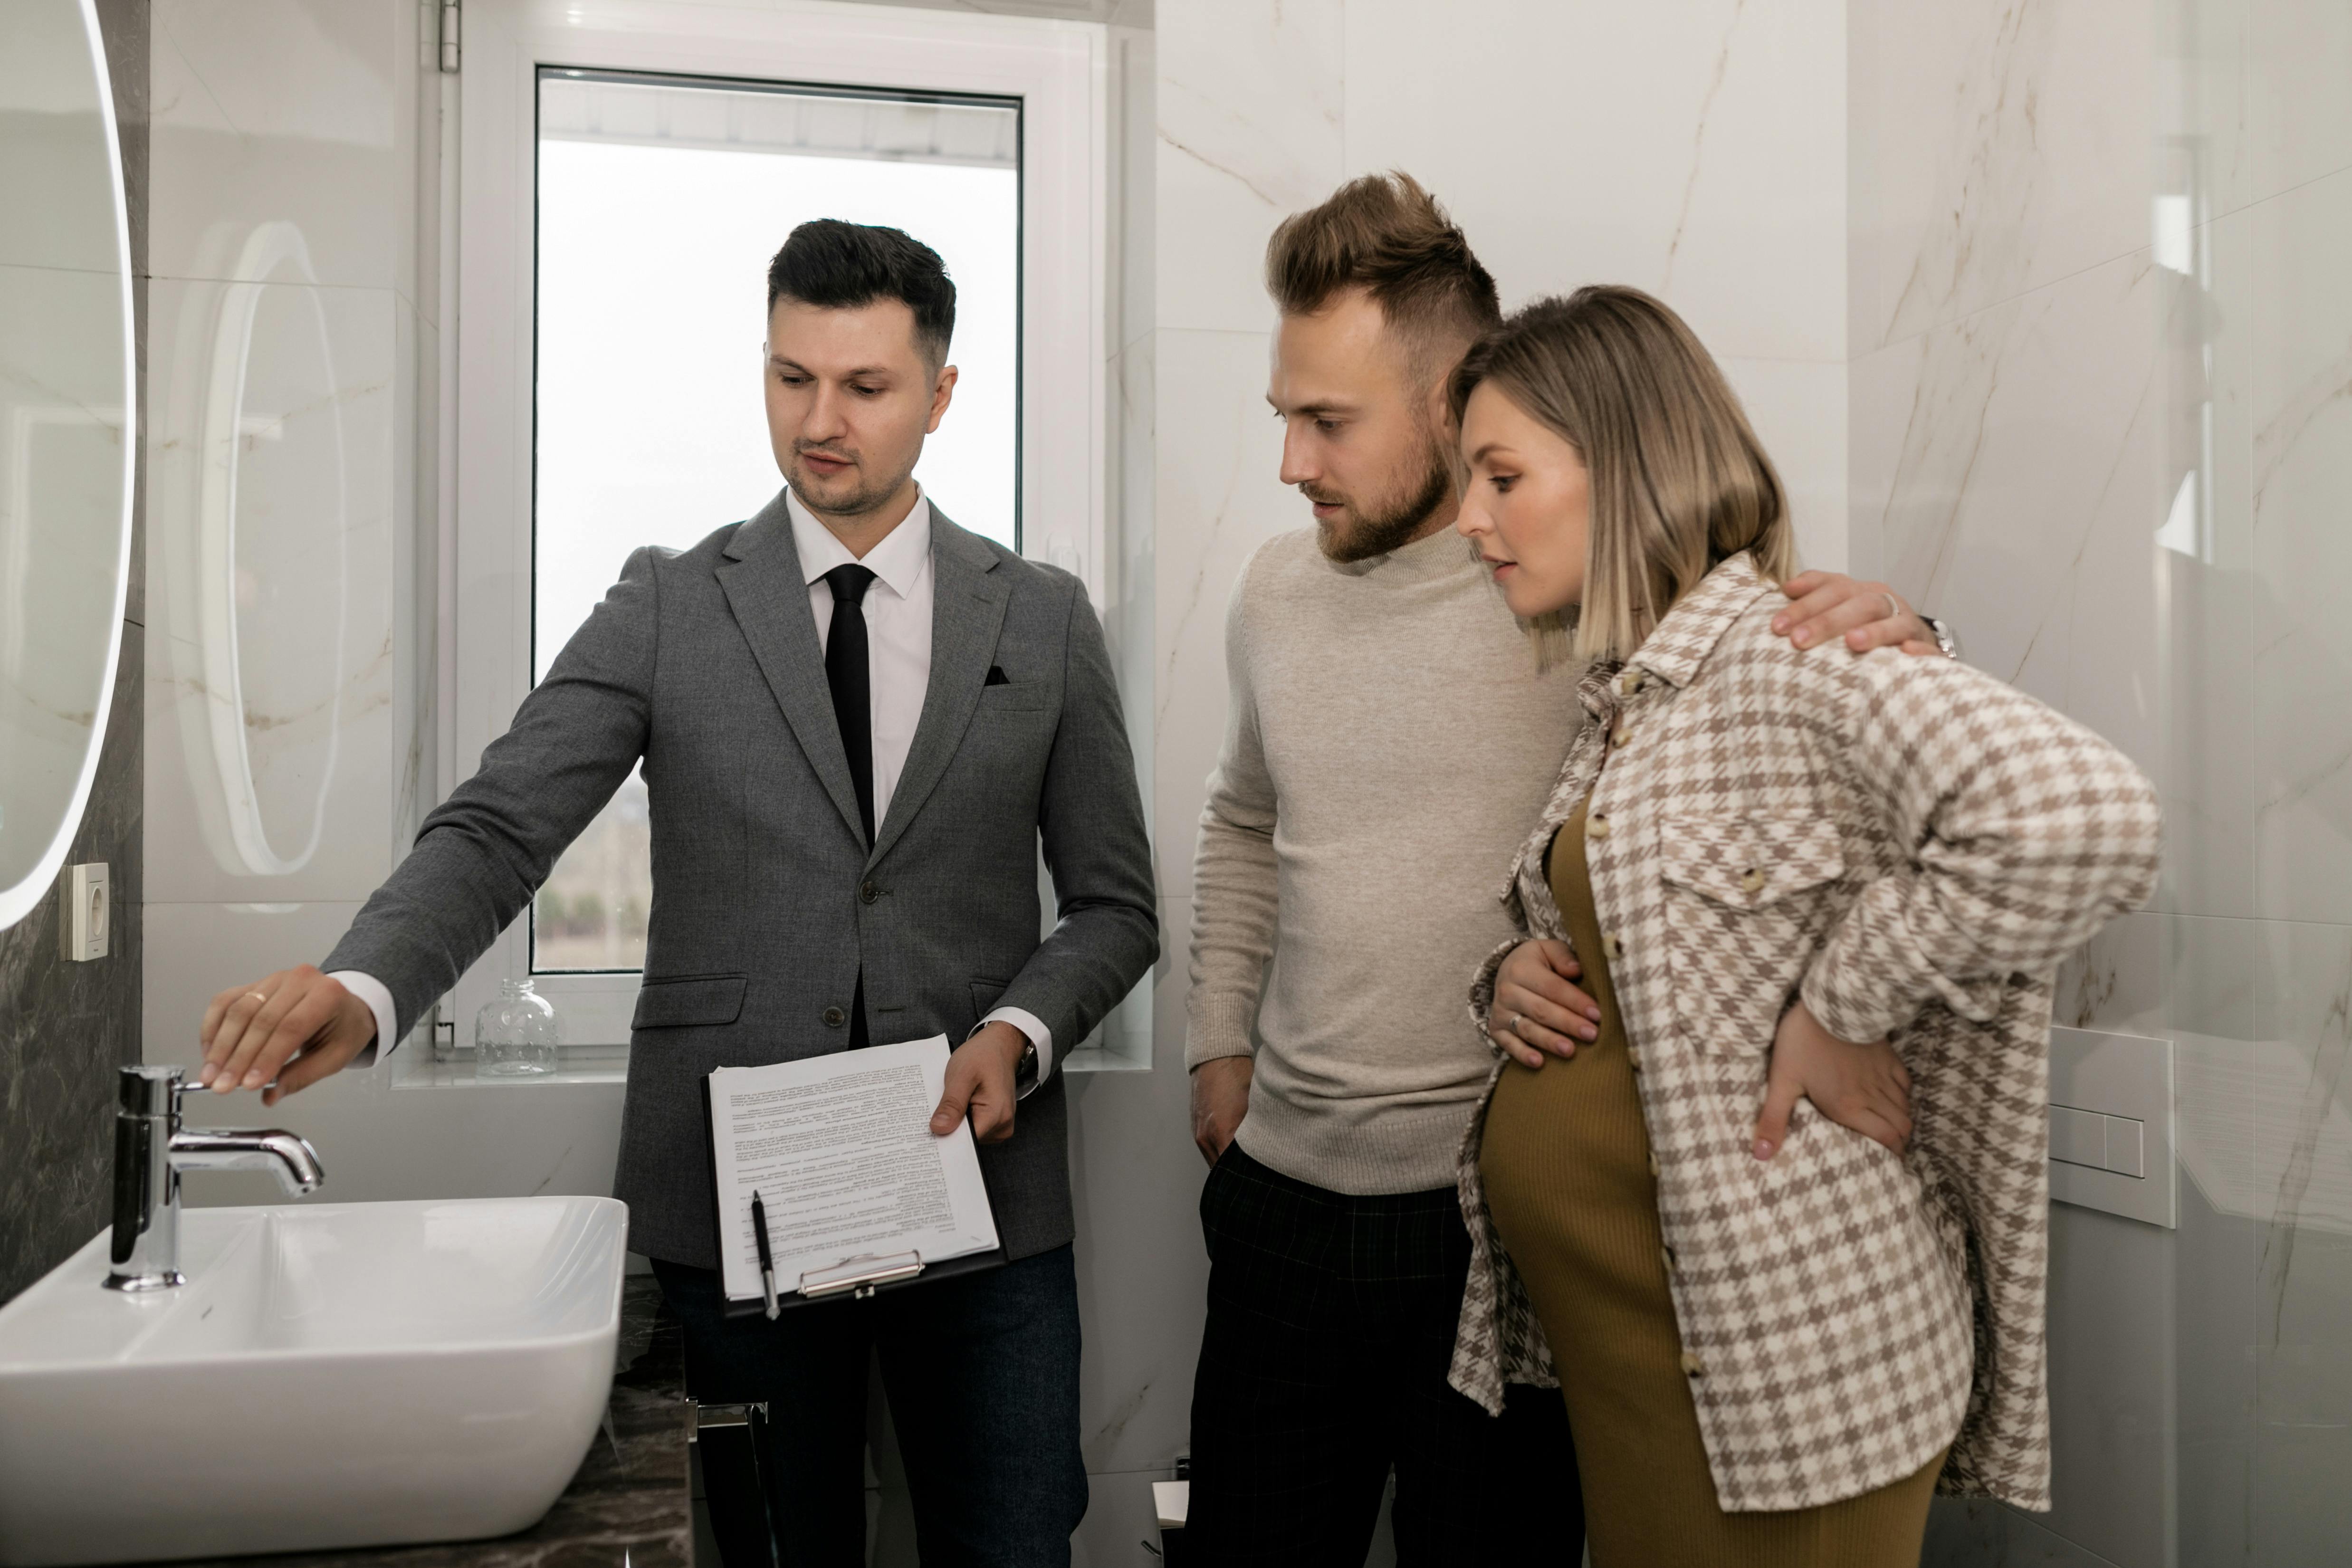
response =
{"points": [[1060, 71]]}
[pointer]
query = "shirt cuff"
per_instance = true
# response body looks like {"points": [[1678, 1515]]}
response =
{"points": [[1041, 1037], [378, 997]]}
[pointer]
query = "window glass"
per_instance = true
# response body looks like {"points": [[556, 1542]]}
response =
{"points": [[660, 202]]}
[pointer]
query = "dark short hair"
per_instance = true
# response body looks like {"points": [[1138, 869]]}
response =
{"points": [[1386, 236], [838, 266]]}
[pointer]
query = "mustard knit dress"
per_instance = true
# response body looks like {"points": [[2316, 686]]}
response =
{"points": [[1570, 1184]]}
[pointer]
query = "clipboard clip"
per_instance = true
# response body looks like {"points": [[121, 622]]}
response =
{"points": [[859, 1276]]}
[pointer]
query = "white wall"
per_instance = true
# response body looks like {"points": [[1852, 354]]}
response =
{"points": [[2033, 381], [1920, 240], [305, 128], [1695, 149]]}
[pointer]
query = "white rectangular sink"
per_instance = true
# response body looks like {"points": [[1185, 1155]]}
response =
{"points": [[332, 1376]]}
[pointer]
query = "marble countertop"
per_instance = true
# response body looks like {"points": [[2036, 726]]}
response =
{"points": [[628, 1507]]}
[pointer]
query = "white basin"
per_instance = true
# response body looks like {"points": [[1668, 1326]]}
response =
{"points": [[332, 1374]]}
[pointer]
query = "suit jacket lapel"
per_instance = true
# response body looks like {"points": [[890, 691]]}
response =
{"points": [[968, 600], [762, 578]]}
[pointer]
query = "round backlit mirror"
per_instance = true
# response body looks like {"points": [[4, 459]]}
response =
{"points": [[66, 428]]}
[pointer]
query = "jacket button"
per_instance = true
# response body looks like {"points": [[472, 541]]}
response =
{"points": [[1596, 827], [1633, 1060], [869, 893], [1751, 880], [1653, 1164], [834, 1017], [1692, 1365], [1667, 1256], [1620, 735]]}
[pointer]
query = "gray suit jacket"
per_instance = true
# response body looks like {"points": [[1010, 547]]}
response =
{"points": [[766, 902]]}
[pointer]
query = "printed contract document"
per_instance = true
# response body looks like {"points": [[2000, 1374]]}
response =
{"points": [[839, 1149]]}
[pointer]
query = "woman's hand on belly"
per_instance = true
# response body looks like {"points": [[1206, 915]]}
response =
{"points": [[1862, 1086], [1536, 1008]]}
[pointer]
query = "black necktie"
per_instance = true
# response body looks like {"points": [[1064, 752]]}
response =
{"points": [[849, 674]]}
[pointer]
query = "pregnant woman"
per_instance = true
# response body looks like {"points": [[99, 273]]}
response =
{"points": [[1798, 883]]}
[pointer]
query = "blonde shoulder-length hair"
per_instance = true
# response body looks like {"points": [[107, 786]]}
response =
{"points": [[1678, 481]]}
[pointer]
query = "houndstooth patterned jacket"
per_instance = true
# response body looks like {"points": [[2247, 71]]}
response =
{"points": [[1911, 846]]}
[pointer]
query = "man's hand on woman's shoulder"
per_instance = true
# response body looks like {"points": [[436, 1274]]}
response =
{"points": [[1825, 604]]}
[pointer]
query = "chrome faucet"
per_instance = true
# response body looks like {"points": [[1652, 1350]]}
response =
{"points": [[150, 1150]]}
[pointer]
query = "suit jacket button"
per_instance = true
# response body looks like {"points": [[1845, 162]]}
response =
{"points": [[869, 893], [834, 1017]]}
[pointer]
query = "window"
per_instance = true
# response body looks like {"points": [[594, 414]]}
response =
{"points": [[660, 201], [621, 180]]}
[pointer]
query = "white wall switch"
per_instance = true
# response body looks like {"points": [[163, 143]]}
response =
{"points": [[87, 914], [2111, 1124]]}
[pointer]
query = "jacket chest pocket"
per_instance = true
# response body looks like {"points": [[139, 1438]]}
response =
{"points": [[1747, 900]]}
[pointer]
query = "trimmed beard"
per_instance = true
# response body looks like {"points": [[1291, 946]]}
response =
{"points": [[861, 502], [1377, 534]]}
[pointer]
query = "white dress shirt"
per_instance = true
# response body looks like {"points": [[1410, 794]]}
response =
{"points": [[897, 607]]}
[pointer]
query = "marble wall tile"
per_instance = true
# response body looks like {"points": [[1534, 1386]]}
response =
{"points": [[1797, 409], [1695, 149], [1995, 149], [2301, 1509], [1143, 1272], [2002, 474], [1219, 496], [279, 111], [65, 1027], [2298, 115], [1973, 1532], [272, 559], [2112, 1382], [2215, 1306], [2290, 303], [1249, 115]]}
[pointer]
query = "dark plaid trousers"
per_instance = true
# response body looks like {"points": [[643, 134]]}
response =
{"points": [[1331, 1327]]}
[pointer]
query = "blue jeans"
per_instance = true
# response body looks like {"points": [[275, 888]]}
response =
{"points": [[982, 1373]]}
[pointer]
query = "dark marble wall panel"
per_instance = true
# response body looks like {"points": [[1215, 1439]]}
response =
{"points": [[65, 1028]]}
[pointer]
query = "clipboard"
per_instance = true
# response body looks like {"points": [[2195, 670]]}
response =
{"points": [[854, 1279]]}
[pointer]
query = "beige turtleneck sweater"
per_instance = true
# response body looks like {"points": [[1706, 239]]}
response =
{"points": [[1387, 746]]}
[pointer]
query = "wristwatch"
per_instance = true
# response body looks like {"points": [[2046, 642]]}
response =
{"points": [[1946, 638]]}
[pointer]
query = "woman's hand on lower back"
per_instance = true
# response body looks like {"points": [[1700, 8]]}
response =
{"points": [[1536, 1008], [1862, 1086]]}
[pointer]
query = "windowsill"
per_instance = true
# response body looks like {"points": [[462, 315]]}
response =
{"points": [[1102, 1059], [574, 1065], [413, 1068]]}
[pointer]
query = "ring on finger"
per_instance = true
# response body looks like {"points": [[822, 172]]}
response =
{"points": [[1517, 1019], [1894, 605], [258, 996]]}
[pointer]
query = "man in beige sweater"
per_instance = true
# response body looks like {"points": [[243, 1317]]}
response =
{"points": [[1388, 743]]}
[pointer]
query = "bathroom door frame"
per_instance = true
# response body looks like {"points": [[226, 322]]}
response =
{"points": [[1060, 71]]}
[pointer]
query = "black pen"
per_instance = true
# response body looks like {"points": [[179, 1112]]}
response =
{"points": [[767, 1263]]}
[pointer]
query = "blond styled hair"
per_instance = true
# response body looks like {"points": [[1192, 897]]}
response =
{"points": [[1678, 481], [1386, 236]]}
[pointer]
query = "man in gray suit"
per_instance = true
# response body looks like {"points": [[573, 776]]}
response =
{"points": [[856, 720]]}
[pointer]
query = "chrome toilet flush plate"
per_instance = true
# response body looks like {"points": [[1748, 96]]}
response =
{"points": [[2111, 1124]]}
